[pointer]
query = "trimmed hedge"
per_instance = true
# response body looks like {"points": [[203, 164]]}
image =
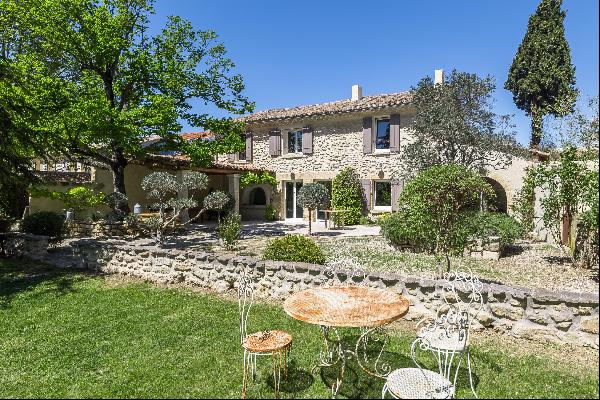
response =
{"points": [[296, 248]]}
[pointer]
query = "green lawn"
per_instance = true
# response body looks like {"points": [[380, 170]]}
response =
{"points": [[77, 335]]}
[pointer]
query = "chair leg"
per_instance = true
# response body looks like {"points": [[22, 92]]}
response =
{"points": [[383, 391], [470, 373], [245, 374], [276, 359]]}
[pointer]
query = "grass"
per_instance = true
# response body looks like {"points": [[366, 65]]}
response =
{"points": [[71, 334]]}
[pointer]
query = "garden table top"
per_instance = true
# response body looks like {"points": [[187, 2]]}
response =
{"points": [[346, 306]]}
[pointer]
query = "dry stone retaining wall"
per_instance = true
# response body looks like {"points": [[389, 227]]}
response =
{"points": [[534, 314]]}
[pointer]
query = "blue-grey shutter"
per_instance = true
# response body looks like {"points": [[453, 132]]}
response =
{"points": [[249, 138], [395, 133], [275, 142], [307, 140], [396, 189], [367, 135], [366, 186]]}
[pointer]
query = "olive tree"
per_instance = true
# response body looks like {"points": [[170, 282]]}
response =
{"points": [[435, 210], [312, 196], [163, 188], [219, 201]]}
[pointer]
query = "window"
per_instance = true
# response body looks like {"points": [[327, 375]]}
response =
{"points": [[242, 154], [383, 194], [294, 141], [382, 134]]}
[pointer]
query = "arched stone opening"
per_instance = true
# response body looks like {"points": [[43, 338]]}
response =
{"points": [[500, 202]]}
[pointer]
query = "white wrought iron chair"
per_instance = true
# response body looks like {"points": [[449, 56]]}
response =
{"points": [[450, 329], [274, 343], [421, 383]]}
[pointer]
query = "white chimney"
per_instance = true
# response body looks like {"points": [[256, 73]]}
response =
{"points": [[356, 92], [439, 77]]}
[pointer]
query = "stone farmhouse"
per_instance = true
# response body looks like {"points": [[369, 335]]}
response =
{"points": [[313, 143], [299, 145]]}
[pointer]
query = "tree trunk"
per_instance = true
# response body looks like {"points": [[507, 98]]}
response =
{"points": [[118, 172], [536, 126], [309, 222]]}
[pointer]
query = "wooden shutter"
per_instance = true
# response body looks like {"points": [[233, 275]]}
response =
{"points": [[367, 135], [249, 138], [307, 140], [395, 133], [396, 189], [275, 142], [366, 186]]}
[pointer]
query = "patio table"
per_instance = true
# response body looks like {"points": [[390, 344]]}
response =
{"points": [[329, 214], [348, 307]]}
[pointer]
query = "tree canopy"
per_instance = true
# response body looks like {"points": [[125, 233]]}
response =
{"points": [[121, 86], [455, 123], [542, 77]]}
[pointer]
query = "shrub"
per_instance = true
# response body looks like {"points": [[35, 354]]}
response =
{"points": [[347, 194], [486, 224], [219, 201], [230, 229], [433, 210], [270, 213], [252, 178], [45, 223], [313, 196], [295, 248], [79, 198]]}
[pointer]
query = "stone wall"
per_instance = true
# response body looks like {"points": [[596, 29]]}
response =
{"points": [[490, 250], [529, 313], [96, 229], [17, 244]]}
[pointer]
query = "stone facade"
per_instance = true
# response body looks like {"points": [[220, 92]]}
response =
{"points": [[533, 314], [338, 143]]}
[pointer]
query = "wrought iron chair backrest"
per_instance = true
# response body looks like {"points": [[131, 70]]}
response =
{"points": [[245, 301], [463, 291], [353, 276]]}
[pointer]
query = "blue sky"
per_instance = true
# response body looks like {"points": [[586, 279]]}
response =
{"points": [[305, 52]]}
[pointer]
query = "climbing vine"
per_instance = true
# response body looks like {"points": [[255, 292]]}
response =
{"points": [[253, 178], [524, 203]]}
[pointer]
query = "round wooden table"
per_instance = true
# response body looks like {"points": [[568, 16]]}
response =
{"points": [[348, 307]]}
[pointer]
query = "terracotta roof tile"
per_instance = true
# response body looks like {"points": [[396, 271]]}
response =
{"points": [[367, 103]]}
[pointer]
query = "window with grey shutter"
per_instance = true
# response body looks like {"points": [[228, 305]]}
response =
{"points": [[367, 135], [275, 142], [307, 140], [366, 186], [395, 133], [249, 138]]}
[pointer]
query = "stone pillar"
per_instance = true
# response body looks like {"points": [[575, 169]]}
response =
{"points": [[184, 215], [234, 189]]}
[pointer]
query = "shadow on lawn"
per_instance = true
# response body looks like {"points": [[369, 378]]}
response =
{"points": [[358, 384], [18, 275]]}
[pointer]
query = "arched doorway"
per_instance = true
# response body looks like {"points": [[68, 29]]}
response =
{"points": [[499, 203]]}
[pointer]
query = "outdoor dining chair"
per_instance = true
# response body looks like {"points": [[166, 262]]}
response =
{"points": [[422, 383], [274, 343], [449, 330]]}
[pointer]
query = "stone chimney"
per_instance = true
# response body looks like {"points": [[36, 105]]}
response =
{"points": [[356, 92], [439, 77]]}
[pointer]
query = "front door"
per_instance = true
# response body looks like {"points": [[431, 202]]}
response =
{"points": [[321, 213], [292, 210]]}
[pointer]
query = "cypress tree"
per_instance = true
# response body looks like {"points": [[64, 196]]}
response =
{"points": [[541, 77]]}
